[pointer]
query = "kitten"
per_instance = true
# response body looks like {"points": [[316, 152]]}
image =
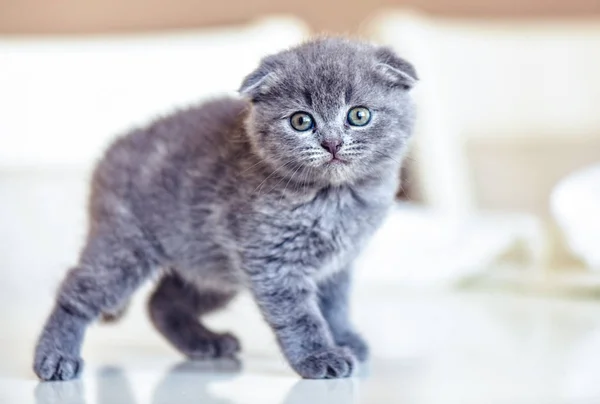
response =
{"points": [[276, 191]]}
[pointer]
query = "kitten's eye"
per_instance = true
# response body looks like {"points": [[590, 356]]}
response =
{"points": [[359, 116], [302, 121]]}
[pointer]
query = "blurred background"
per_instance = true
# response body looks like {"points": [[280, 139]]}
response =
{"points": [[501, 191], [508, 107]]}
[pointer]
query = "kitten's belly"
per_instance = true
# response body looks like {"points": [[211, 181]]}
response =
{"points": [[211, 264], [211, 276]]}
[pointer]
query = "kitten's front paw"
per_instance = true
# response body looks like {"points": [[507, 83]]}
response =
{"points": [[356, 344], [56, 366], [57, 351], [329, 364]]}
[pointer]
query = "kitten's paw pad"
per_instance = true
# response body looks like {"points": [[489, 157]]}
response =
{"points": [[57, 366], [330, 364], [220, 346], [356, 344]]}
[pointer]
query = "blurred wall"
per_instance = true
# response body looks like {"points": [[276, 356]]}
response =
{"points": [[90, 16], [520, 177]]}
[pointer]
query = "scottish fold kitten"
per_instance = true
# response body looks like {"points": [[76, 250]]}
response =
{"points": [[275, 191]]}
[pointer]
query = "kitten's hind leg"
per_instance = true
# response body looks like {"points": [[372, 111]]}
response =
{"points": [[112, 266], [175, 308]]}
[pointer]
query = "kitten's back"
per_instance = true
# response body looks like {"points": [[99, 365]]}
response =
{"points": [[155, 156]]}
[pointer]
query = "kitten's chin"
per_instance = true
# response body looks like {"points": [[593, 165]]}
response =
{"points": [[338, 172]]}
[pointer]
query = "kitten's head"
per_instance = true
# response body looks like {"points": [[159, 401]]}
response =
{"points": [[331, 110]]}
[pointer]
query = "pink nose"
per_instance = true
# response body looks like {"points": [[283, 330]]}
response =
{"points": [[332, 146]]}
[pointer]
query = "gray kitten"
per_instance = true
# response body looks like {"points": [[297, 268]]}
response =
{"points": [[276, 191]]}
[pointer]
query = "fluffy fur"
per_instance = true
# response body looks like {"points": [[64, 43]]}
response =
{"points": [[227, 195]]}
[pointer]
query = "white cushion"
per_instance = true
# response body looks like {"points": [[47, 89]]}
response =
{"points": [[575, 204]]}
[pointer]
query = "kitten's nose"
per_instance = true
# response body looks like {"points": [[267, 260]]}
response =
{"points": [[332, 146]]}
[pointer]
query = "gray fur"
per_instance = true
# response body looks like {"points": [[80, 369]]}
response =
{"points": [[227, 195]]}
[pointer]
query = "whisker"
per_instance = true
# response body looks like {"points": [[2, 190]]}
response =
{"points": [[269, 176], [252, 166], [288, 183], [281, 179], [388, 156]]}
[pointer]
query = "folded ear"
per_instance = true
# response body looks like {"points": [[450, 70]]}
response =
{"points": [[395, 70], [260, 80]]}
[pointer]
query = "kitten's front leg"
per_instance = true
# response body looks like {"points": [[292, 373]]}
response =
{"points": [[289, 303], [333, 302]]}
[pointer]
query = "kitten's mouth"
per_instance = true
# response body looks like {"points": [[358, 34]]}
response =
{"points": [[337, 160]]}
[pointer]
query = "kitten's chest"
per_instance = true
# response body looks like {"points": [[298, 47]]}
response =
{"points": [[321, 236], [343, 227]]}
